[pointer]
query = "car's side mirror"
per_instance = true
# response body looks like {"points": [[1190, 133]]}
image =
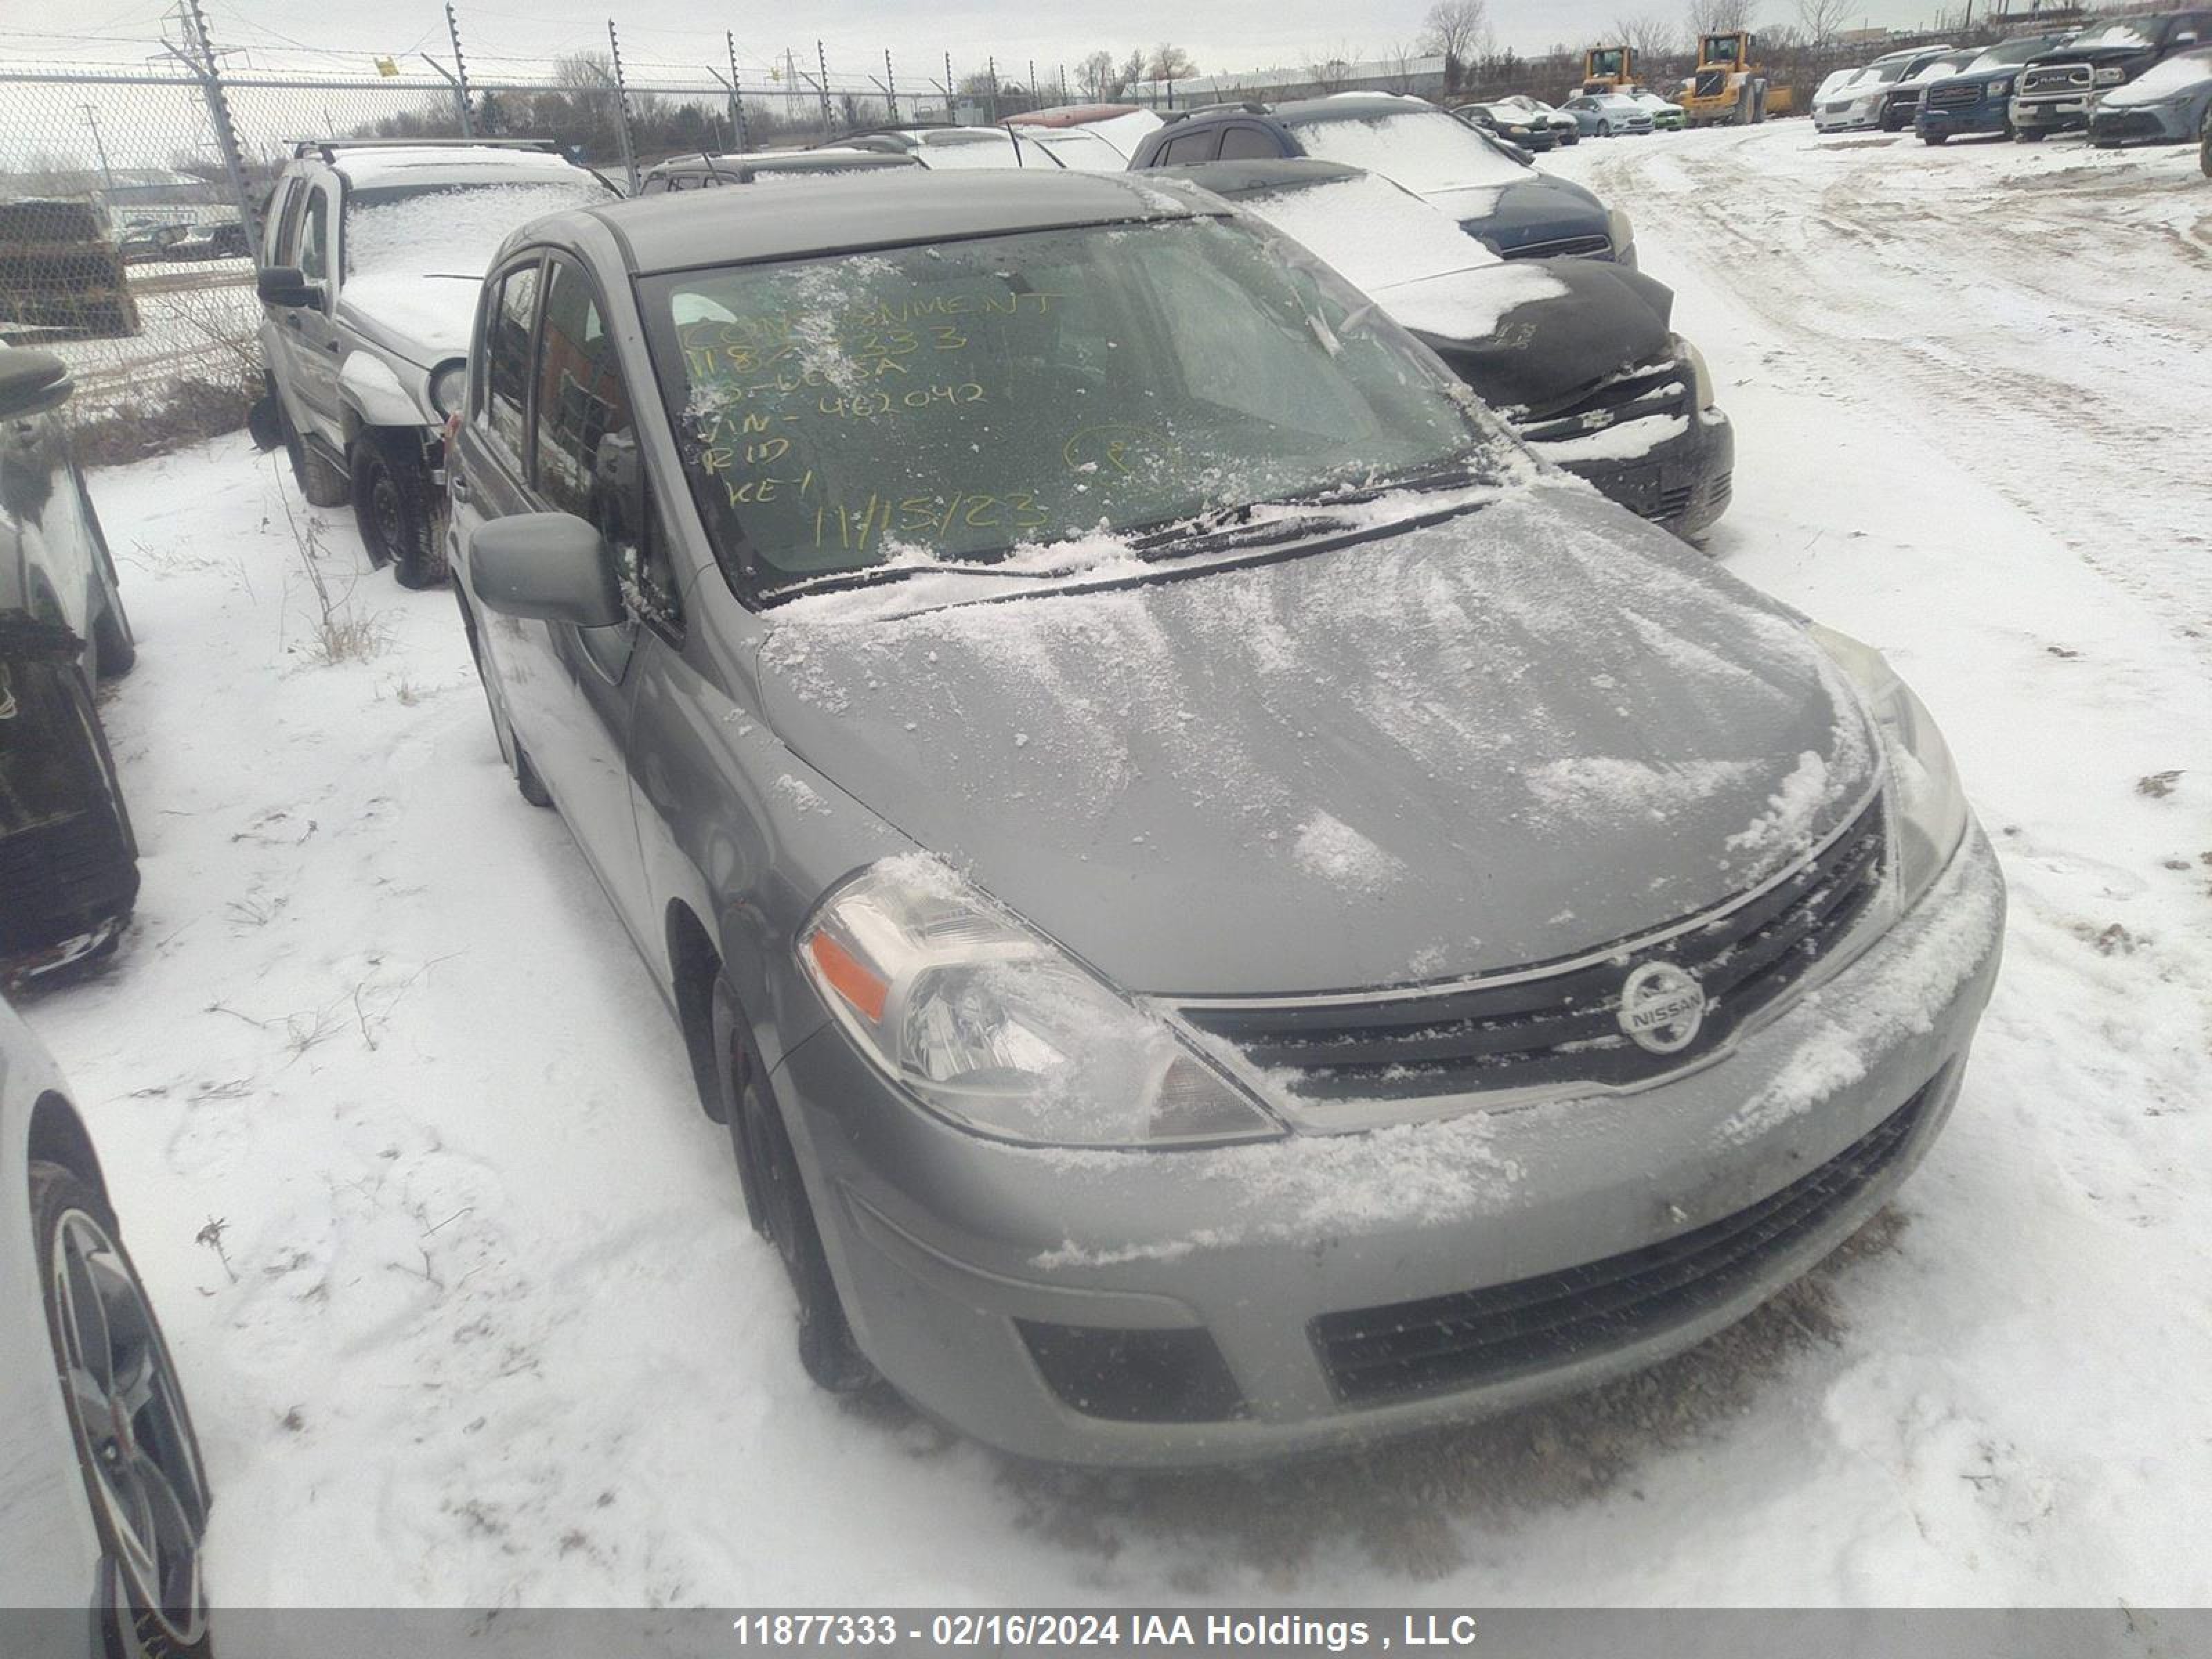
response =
{"points": [[549, 566], [286, 285], [31, 383]]}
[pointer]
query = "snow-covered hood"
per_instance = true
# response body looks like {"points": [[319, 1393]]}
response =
{"points": [[1530, 332], [424, 319], [1530, 729], [1535, 208]]}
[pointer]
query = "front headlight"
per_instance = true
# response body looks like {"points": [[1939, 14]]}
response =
{"points": [[1931, 813], [1999, 88], [988, 1023], [1617, 228], [2111, 76], [449, 386], [1701, 377]]}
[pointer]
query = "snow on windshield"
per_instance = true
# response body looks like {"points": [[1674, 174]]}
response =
{"points": [[451, 231], [2121, 36], [1372, 231], [1424, 150]]}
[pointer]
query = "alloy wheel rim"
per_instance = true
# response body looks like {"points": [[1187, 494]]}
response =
{"points": [[129, 1415]]}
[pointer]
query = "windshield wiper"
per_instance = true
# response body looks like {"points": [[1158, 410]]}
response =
{"points": [[876, 575], [1241, 526]]}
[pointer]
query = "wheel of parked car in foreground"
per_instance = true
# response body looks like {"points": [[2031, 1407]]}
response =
{"points": [[777, 1202], [134, 1438], [396, 507], [1934, 138], [1604, 128], [2022, 135], [2204, 146]]}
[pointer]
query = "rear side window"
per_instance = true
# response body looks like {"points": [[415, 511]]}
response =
{"points": [[507, 361], [314, 260], [1246, 143], [1188, 150], [284, 215]]}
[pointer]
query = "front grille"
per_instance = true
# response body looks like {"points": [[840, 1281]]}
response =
{"points": [[1652, 389], [2124, 124], [1560, 1029], [1578, 247], [1490, 1335], [2057, 80], [1962, 95]]}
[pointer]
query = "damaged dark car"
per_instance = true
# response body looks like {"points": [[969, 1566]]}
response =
{"points": [[68, 872], [1575, 354]]}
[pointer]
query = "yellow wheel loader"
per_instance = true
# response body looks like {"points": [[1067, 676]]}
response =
{"points": [[1728, 88], [1606, 69]]}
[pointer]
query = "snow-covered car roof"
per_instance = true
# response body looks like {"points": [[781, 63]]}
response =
{"points": [[2121, 36], [453, 164]]}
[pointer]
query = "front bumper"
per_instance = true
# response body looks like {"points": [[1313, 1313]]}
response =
{"points": [[2051, 114], [2144, 124], [1990, 115], [941, 1242], [1682, 484], [1858, 117]]}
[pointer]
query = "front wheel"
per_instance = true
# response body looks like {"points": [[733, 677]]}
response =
{"points": [[1934, 138], [1604, 128], [135, 1446], [2026, 137], [777, 1204], [396, 507]]}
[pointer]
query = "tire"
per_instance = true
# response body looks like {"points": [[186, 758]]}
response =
{"points": [[1934, 138], [2022, 135], [113, 648], [396, 508], [527, 779], [320, 483], [777, 1204], [1604, 128], [145, 1485]]}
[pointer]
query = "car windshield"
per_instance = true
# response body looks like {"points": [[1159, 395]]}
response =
{"points": [[2122, 37], [450, 229], [2008, 54], [950, 404], [1423, 149]]}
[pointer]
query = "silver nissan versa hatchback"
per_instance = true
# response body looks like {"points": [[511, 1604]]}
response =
{"points": [[1226, 907]]}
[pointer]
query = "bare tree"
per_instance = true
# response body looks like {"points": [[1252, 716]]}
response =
{"points": [[1721, 17], [1651, 35], [1398, 65], [1096, 75], [1822, 19], [1332, 73], [1459, 32], [1169, 62], [1132, 68]]}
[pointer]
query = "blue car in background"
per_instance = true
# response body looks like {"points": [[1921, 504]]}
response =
{"points": [[1978, 100]]}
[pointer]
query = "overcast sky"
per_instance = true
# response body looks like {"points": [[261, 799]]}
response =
{"points": [[1220, 35]]}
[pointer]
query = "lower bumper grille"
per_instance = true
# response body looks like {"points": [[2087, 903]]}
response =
{"points": [[1491, 1335], [2124, 124]]}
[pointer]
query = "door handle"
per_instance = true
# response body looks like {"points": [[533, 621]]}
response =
{"points": [[455, 482]]}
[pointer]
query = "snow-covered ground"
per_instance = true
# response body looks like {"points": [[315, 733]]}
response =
{"points": [[457, 1274]]}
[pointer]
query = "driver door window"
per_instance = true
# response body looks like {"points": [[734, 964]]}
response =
{"points": [[588, 460]]}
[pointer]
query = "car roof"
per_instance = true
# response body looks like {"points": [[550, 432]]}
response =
{"points": [[1235, 178], [830, 159], [692, 229], [449, 164], [1071, 115]]}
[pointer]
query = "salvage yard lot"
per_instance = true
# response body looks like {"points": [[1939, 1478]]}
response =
{"points": [[458, 1277]]}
